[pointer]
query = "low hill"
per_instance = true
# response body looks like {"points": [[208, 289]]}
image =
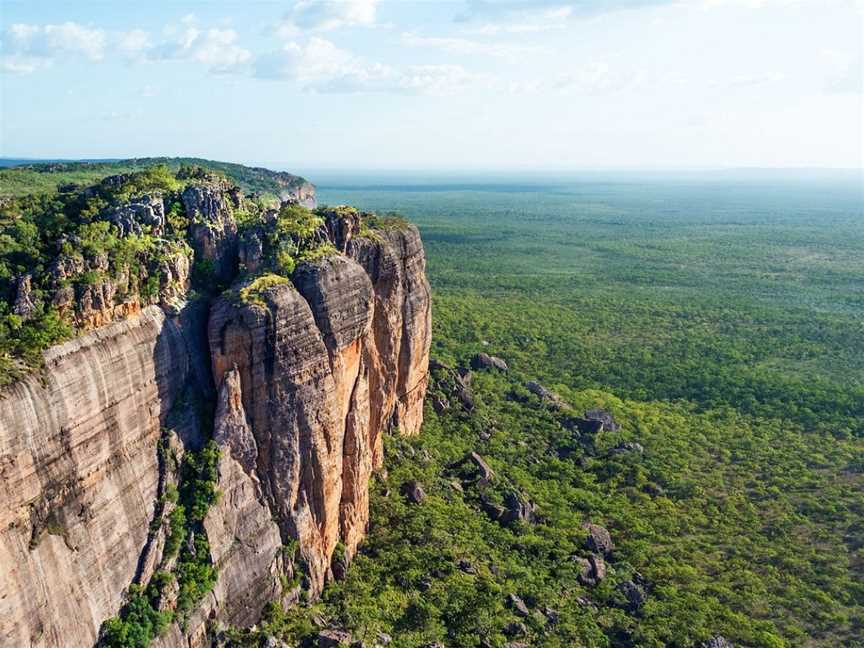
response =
{"points": [[39, 177]]}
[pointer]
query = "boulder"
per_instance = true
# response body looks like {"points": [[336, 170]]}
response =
{"points": [[334, 638], [516, 629], [583, 425], [629, 447], [592, 570], [518, 508], [383, 639], [552, 615], [26, 303], [465, 566], [717, 642], [413, 490], [483, 361], [547, 396], [486, 473], [598, 539], [440, 404], [518, 605], [604, 417]]}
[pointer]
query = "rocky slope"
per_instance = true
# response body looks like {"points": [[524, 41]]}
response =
{"points": [[294, 377]]}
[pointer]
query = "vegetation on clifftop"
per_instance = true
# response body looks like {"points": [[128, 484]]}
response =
{"points": [[68, 257]]}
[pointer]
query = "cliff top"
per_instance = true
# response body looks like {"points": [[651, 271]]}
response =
{"points": [[99, 246]]}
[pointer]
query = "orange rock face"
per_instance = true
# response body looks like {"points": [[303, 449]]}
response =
{"points": [[325, 369]]}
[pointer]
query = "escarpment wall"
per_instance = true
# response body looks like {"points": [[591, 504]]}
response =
{"points": [[78, 477], [301, 383]]}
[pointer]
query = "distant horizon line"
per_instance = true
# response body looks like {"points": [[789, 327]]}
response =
{"points": [[282, 165]]}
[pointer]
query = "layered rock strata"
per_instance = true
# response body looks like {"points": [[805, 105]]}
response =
{"points": [[300, 384]]}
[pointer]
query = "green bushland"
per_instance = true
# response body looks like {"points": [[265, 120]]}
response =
{"points": [[38, 178], [722, 327]]}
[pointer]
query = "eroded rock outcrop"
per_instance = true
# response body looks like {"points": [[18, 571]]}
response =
{"points": [[319, 392], [297, 383]]}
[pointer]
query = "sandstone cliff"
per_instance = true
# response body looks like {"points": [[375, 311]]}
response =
{"points": [[295, 379]]}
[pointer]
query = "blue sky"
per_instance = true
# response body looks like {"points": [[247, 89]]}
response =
{"points": [[437, 85]]}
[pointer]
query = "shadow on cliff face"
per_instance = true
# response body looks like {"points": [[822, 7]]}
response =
{"points": [[192, 402]]}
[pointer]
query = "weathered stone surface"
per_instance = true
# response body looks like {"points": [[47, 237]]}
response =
{"points": [[143, 211], [401, 329], [629, 447], [592, 570], [598, 539], [486, 473], [545, 395], [518, 508], [212, 228], [485, 361], [717, 642], [290, 398], [25, 305], [78, 477], [334, 638], [634, 593], [230, 429], [604, 417], [245, 543], [251, 251], [517, 605], [413, 490]]}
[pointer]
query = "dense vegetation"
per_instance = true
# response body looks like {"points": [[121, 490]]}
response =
{"points": [[47, 177], [70, 245], [722, 325]]}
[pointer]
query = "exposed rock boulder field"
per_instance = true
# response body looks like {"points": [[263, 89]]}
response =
{"points": [[295, 385]]}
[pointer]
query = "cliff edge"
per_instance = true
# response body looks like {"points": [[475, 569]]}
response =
{"points": [[202, 446]]}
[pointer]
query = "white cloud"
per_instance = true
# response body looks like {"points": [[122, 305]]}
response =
{"points": [[48, 41], [327, 15], [455, 45], [134, 44], [28, 48], [216, 48], [526, 22], [16, 64], [319, 65]]}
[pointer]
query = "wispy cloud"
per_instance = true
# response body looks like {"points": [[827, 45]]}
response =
{"points": [[751, 80], [319, 65], [27, 48], [495, 9], [327, 15], [464, 46]]}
